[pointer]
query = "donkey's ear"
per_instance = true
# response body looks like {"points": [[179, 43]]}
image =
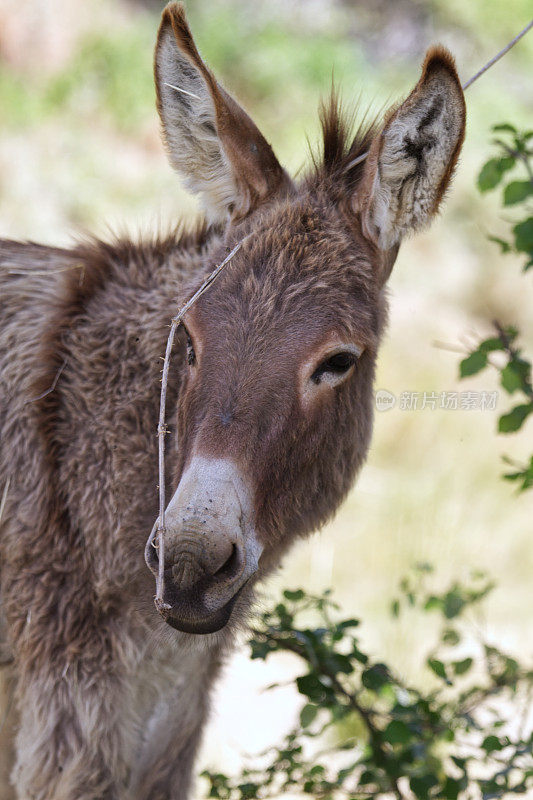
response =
{"points": [[412, 159], [210, 139]]}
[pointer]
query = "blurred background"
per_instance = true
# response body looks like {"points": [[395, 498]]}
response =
{"points": [[80, 151]]}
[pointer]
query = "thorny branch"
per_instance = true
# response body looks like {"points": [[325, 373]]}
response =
{"points": [[467, 83], [513, 354], [159, 528]]}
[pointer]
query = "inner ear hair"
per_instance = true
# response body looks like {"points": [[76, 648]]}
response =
{"points": [[210, 139], [187, 113], [411, 161]]}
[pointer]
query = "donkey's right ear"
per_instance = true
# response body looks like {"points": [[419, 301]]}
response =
{"points": [[210, 139]]}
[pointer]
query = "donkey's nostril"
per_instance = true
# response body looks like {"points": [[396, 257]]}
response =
{"points": [[196, 557], [230, 566]]}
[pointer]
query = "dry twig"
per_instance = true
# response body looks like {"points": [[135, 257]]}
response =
{"points": [[467, 83], [159, 528]]}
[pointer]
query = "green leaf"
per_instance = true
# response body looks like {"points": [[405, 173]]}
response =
{"points": [[248, 790], [438, 668], [308, 714], [375, 677], [513, 421], [490, 345], [311, 686], [338, 662], [493, 171], [281, 610], [491, 744], [345, 773], [421, 786], [433, 603], [461, 667], [524, 475], [504, 126], [397, 732], [452, 787], [261, 649], [523, 233], [358, 655], [454, 603], [294, 595], [450, 637], [366, 777], [348, 623], [510, 378], [473, 363], [395, 608], [517, 192]]}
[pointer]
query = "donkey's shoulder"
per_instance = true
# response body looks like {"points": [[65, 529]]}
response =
{"points": [[27, 253], [42, 286], [28, 269], [30, 281]]}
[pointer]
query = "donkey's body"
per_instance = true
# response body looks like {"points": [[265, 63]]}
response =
{"points": [[108, 699], [269, 408]]}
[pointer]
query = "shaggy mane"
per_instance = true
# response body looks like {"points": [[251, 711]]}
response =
{"points": [[343, 140]]}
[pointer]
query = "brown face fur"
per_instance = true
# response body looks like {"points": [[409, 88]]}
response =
{"points": [[300, 289], [283, 345]]}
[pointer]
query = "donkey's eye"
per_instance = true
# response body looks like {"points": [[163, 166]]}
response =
{"points": [[334, 366], [191, 355]]}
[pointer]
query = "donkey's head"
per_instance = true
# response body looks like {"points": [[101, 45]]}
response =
{"points": [[275, 411]]}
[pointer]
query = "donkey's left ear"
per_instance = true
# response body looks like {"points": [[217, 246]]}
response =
{"points": [[411, 160]]}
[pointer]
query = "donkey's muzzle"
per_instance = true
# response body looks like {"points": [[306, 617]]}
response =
{"points": [[201, 581], [187, 612], [210, 549]]}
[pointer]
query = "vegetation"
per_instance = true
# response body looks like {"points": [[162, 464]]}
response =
{"points": [[502, 349], [363, 732]]}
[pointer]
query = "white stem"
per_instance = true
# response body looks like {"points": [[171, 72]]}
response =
{"points": [[161, 428], [468, 83]]}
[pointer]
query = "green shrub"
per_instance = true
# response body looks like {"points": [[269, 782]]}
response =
{"points": [[512, 171], [363, 732]]}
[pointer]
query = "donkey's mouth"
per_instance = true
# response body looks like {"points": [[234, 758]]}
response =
{"points": [[191, 616]]}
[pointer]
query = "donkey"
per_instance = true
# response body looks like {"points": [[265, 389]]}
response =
{"points": [[270, 417]]}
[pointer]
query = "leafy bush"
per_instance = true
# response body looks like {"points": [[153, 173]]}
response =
{"points": [[501, 349], [363, 732], [514, 153]]}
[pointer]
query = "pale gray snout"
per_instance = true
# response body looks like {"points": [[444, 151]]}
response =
{"points": [[211, 550]]}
